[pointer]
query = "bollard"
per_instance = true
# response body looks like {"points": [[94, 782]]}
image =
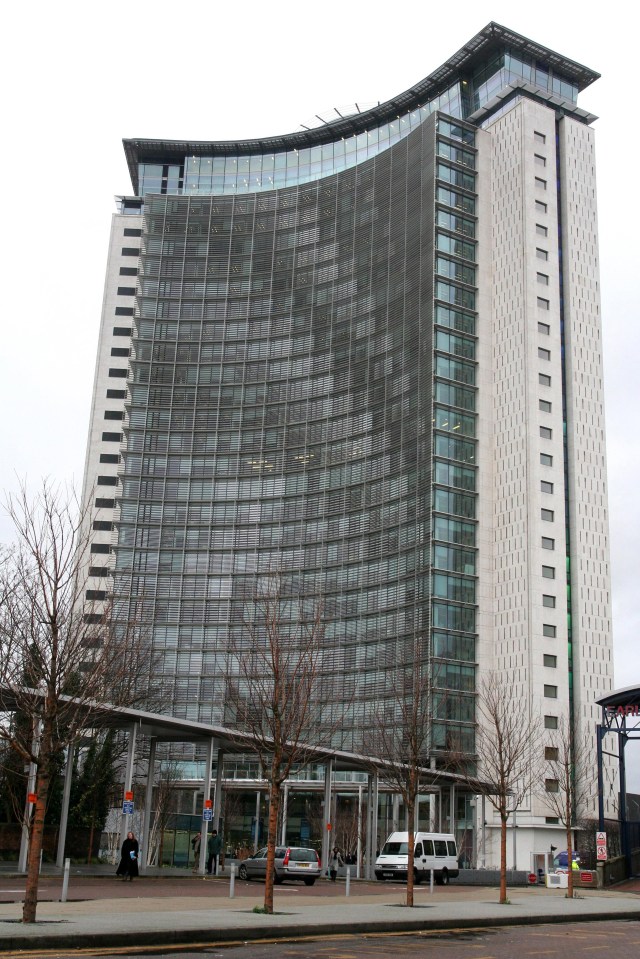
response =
{"points": [[65, 880], [348, 883], [40, 866], [431, 882], [232, 881]]}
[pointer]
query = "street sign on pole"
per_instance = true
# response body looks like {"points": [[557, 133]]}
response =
{"points": [[601, 846], [207, 815], [127, 807]]}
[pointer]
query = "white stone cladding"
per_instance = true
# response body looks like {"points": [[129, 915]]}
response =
{"points": [[588, 511], [107, 412], [528, 551]]}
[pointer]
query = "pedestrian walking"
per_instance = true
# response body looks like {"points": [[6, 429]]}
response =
{"points": [[214, 847], [128, 865], [335, 862]]}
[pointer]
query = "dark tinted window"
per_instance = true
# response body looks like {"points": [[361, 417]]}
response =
{"points": [[451, 846], [303, 855], [428, 847], [441, 847], [418, 850], [395, 849]]}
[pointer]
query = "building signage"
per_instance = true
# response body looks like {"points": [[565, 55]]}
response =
{"points": [[127, 807], [631, 709], [601, 846], [207, 815]]}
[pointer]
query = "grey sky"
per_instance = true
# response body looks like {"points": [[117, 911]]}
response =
{"points": [[78, 77]]}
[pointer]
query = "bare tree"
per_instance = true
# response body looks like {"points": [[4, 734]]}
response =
{"points": [[59, 655], [508, 747], [569, 781], [164, 804], [402, 737], [274, 691]]}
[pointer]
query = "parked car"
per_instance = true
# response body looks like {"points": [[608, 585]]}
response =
{"points": [[291, 862]]}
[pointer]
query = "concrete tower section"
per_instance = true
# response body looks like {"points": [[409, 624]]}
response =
{"points": [[365, 359]]}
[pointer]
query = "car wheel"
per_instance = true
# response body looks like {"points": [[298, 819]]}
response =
{"points": [[242, 872], [445, 878], [309, 882], [277, 879]]}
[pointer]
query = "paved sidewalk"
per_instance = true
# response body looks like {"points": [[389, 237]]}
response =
{"points": [[144, 921]]}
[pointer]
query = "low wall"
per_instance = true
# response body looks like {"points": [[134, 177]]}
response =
{"points": [[76, 845], [491, 877]]}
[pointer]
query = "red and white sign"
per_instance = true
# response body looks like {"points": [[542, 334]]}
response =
{"points": [[601, 853], [586, 877], [31, 797], [601, 839]]}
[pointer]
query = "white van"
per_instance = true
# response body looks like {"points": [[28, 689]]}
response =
{"points": [[433, 850]]}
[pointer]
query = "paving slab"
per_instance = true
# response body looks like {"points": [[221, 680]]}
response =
{"points": [[148, 921]]}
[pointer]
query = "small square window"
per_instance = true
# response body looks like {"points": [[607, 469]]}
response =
{"points": [[539, 160], [550, 692], [546, 433], [117, 373], [549, 631], [552, 820], [100, 548], [541, 207], [113, 415], [550, 661], [107, 481], [548, 543], [546, 459], [546, 487], [116, 395], [547, 515], [119, 351], [551, 785], [545, 406], [551, 753], [129, 231], [549, 572], [102, 524], [111, 437], [544, 380], [541, 254], [542, 303], [550, 722], [128, 271], [99, 571], [541, 230], [544, 328], [539, 137], [130, 251], [126, 291], [540, 183], [109, 457], [95, 594], [103, 503], [123, 311], [542, 278], [549, 601], [544, 354], [122, 331]]}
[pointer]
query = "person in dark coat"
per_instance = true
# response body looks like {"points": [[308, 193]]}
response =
{"points": [[214, 848], [128, 866]]}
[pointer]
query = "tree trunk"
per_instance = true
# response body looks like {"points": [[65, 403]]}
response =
{"points": [[503, 857], [411, 845], [91, 829], [569, 860], [274, 806], [36, 835]]}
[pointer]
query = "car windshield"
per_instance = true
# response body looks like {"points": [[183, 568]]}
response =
{"points": [[395, 849], [303, 855]]}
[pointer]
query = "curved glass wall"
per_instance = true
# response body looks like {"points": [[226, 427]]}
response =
{"points": [[302, 399]]}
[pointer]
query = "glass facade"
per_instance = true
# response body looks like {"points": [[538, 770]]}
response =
{"points": [[302, 400]]}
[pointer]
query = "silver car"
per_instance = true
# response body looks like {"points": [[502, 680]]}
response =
{"points": [[291, 862]]}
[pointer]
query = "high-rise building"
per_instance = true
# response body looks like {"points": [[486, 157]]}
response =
{"points": [[366, 358]]}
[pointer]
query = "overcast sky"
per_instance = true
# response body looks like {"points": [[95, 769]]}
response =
{"points": [[78, 77]]}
